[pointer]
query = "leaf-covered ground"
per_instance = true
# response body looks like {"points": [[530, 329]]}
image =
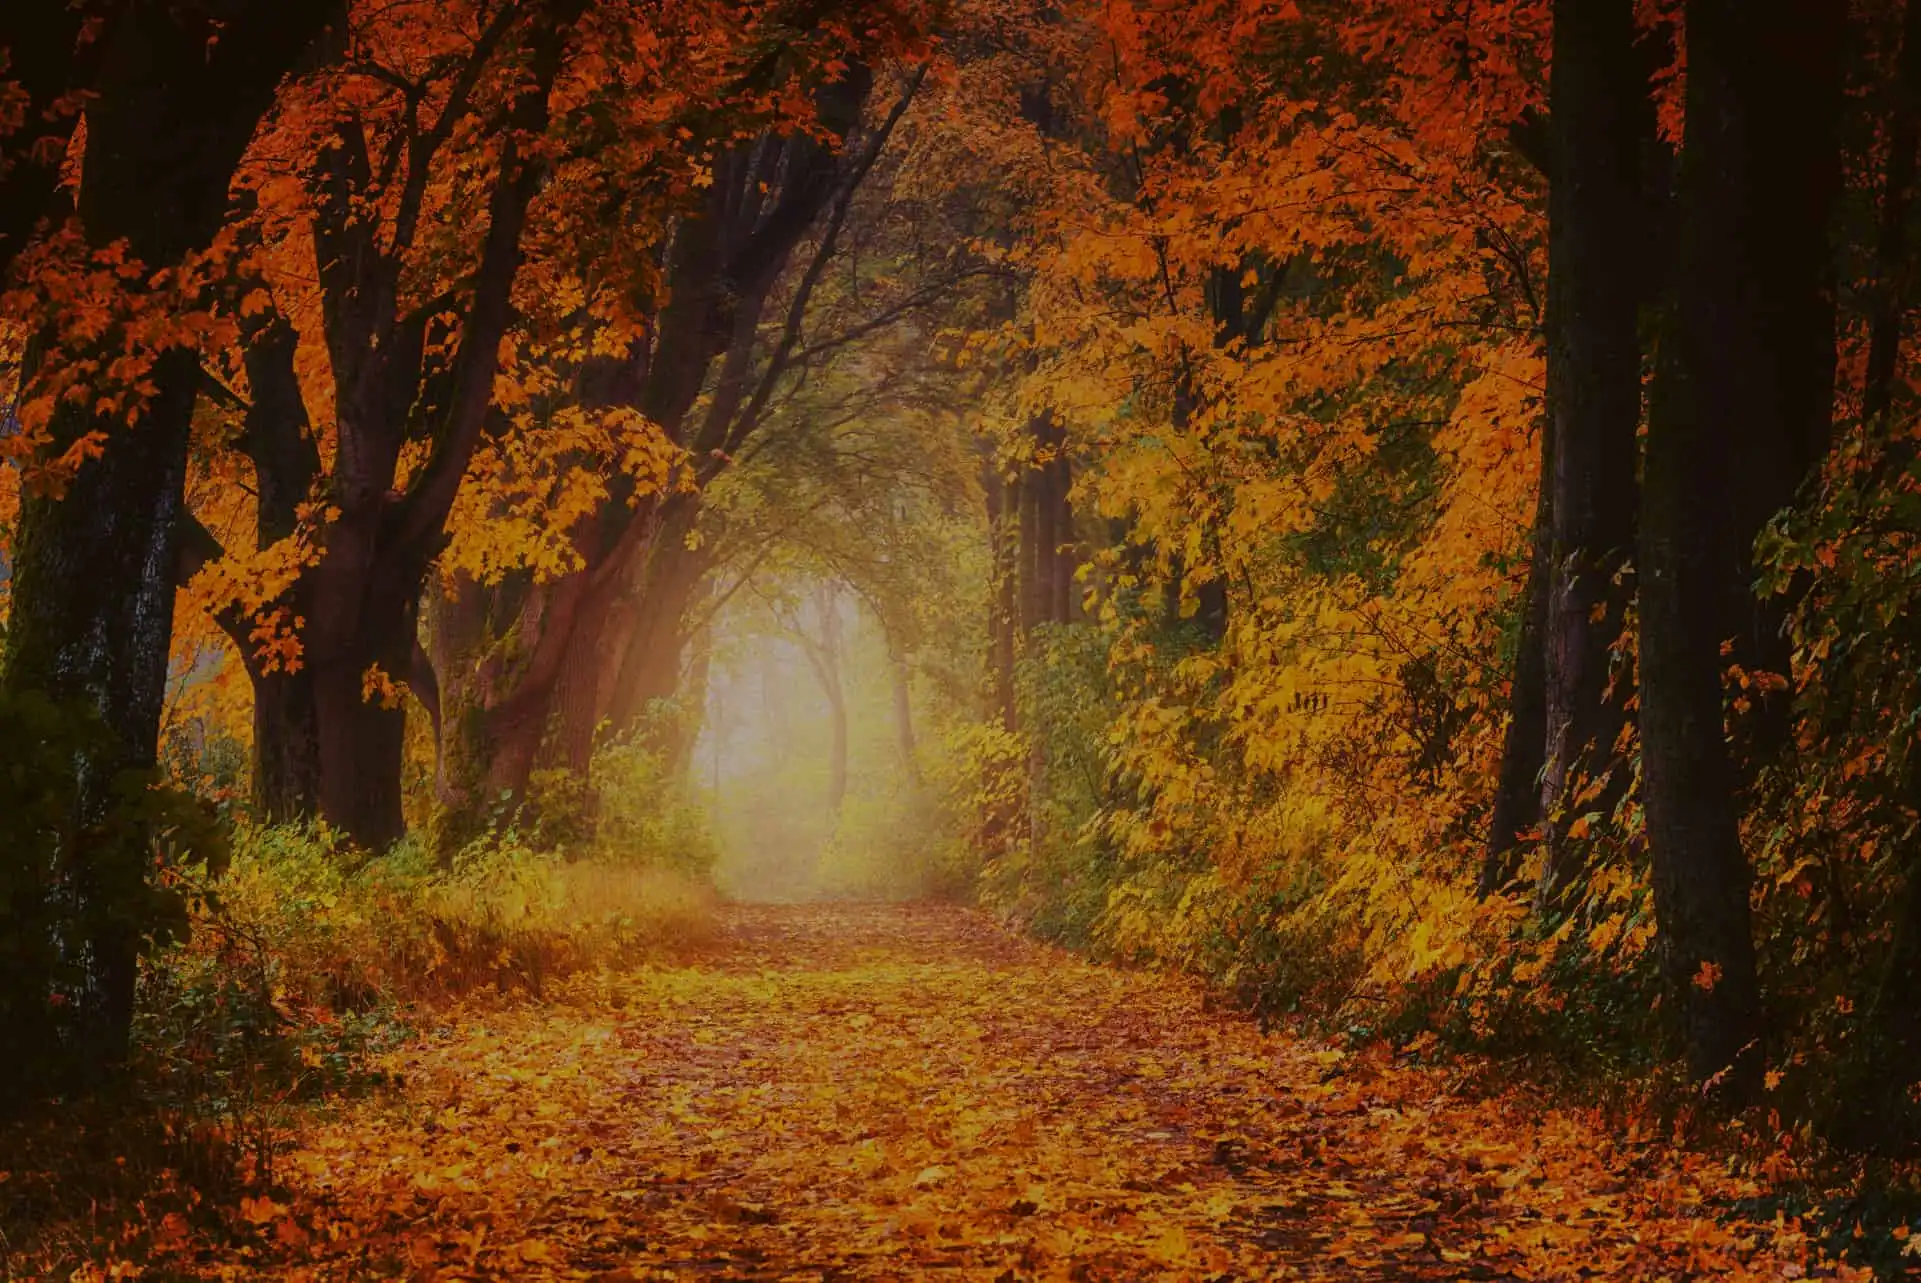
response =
{"points": [[841, 1092]]}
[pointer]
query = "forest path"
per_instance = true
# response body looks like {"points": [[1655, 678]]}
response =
{"points": [[902, 1092]]}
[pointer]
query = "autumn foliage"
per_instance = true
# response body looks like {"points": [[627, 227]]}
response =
{"points": [[1401, 512]]}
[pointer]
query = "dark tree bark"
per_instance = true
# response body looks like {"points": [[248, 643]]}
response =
{"points": [[1742, 398], [364, 594], [286, 461], [278, 439], [92, 615], [1602, 117], [1517, 790]]}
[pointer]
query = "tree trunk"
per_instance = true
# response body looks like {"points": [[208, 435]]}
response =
{"points": [[485, 743], [1003, 608], [828, 604], [1046, 552], [46, 64], [1026, 489], [1067, 595], [1736, 411], [700, 670], [363, 639], [612, 656], [361, 648], [93, 579], [902, 676], [286, 747], [577, 695], [646, 664], [1517, 791], [91, 625], [1601, 116], [279, 440]]}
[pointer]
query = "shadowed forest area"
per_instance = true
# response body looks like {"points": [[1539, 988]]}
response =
{"points": [[873, 638]]}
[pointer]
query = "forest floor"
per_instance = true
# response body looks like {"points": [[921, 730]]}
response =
{"points": [[836, 1092]]}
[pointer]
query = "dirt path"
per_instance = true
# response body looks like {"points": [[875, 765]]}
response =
{"points": [[896, 1093]]}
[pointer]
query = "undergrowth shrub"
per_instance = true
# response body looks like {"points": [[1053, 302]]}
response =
{"points": [[645, 814], [894, 843], [342, 932], [1055, 868], [305, 960], [1185, 806]]}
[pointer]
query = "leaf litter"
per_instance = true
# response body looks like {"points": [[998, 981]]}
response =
{"points": [[888, 1092]]}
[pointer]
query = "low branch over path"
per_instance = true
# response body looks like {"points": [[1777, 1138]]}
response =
{"points": [[887, 1093]]}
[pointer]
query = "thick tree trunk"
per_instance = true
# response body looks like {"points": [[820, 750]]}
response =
{"points": [[363, 639], [1737, 408], [648, 662], [485, 744], [286, 747], [1601, 116], [286, 462], [577, 698], [93, 580], [361, 647], [46, 64], [91, 625]]}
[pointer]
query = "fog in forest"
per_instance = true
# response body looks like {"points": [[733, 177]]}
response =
{"points": [[806, 759]]}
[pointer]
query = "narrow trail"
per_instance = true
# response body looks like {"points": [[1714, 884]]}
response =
{"points": [[886, 1093]]}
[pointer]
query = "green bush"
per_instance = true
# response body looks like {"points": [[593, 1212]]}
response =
{"points": [[644, 813], [895, 842]]}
